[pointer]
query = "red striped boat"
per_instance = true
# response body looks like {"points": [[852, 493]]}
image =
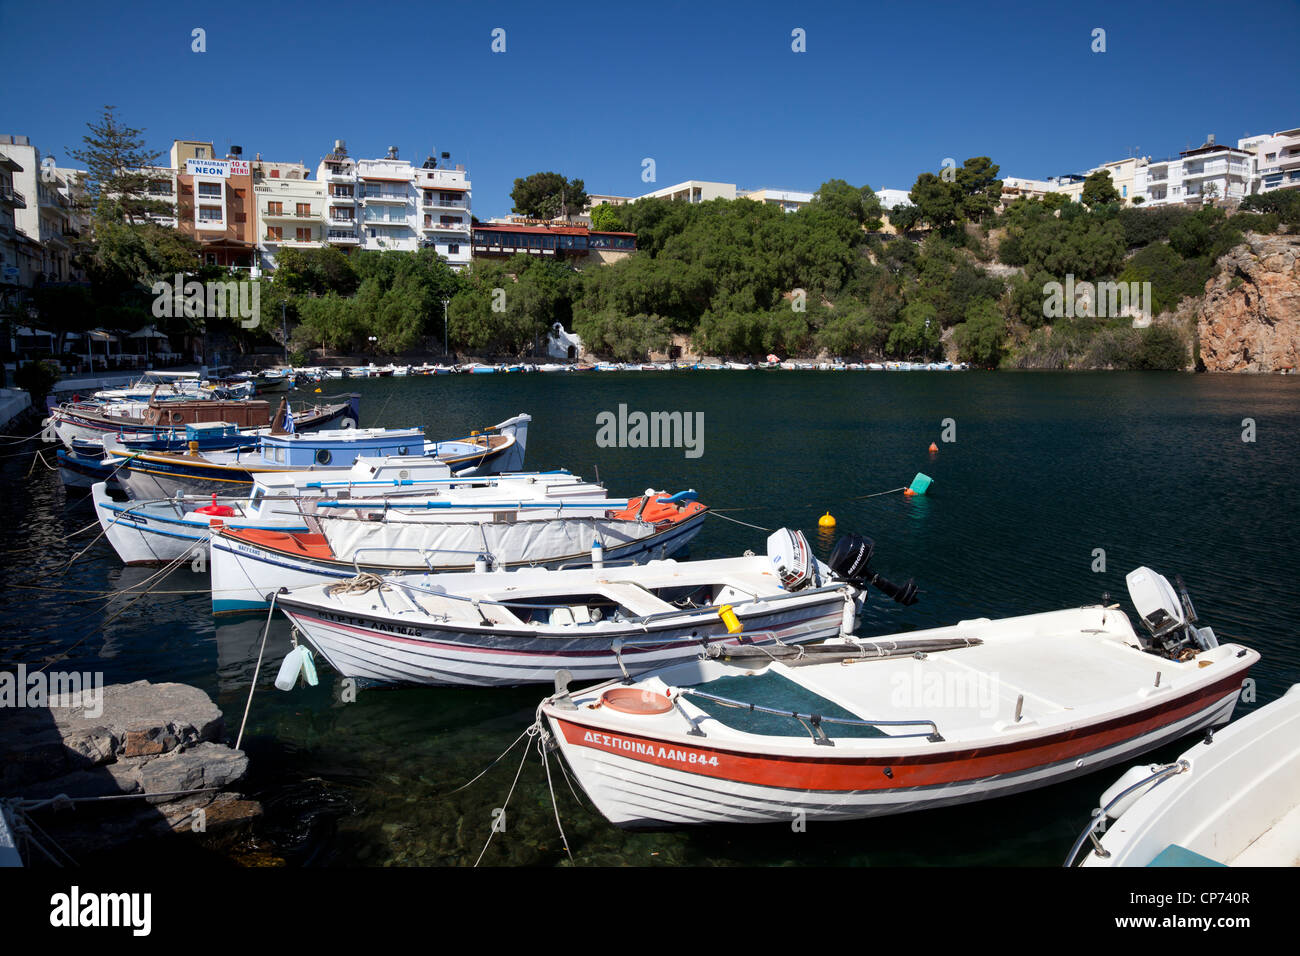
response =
{"points": [[857, 728]]}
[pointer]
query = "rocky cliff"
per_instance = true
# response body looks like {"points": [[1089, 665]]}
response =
{"points": [[1249, 320]]}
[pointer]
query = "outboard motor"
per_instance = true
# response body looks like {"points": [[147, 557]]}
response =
{"points": [[1168, 615], [851, 561], [792, 559]]}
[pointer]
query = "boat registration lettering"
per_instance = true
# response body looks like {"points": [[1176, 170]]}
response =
{"points": [[623, 745]]}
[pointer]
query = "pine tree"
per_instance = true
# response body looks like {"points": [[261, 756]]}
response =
{"points": [[116, 184]]}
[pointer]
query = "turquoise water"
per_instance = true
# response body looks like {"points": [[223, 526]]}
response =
{"points": [[1045, 469]]}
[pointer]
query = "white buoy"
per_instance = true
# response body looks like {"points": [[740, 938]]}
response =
{"points": [[308, 665], [597, 555], [290, 668], [480, 565]]}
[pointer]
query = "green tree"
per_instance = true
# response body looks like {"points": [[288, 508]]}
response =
{"points": [[981, 339], [605, 219], [937, 202], [548, 195], [857, 204], [1099, 190], [117, 181], [978, 187]]}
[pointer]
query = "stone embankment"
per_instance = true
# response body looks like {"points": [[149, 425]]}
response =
{"points": [[163, 743]]}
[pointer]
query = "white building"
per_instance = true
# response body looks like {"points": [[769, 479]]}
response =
{"points": [[444, 199], [386, 202], [338, 172], [1275, 160], [290, 209], [789, 200], [45, 214], [889, 198], [1209, 173], [694, 190]]}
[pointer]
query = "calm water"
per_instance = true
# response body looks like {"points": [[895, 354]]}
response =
{"points": [[1045, 469]]}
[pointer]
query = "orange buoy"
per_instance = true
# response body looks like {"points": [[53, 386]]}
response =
{"points": [[908, 492], [933, 448], [826, 521]]}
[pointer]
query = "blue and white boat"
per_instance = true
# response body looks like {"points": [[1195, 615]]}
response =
{"points": [[148, 474]]}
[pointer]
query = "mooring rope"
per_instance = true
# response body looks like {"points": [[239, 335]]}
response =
{"points": [[531, 732], [266, 629]]}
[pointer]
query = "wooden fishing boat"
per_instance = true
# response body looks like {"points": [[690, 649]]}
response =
{"points": [[444, 536], [163, 474], [867, 727], [520, 627], [1232, 799]]}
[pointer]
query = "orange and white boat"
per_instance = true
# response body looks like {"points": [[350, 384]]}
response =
{"points": [[554, 528], [865, 727]]}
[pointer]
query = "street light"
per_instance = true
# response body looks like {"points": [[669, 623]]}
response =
{"points": [[284, 330], [373, 339], [444, 326]]}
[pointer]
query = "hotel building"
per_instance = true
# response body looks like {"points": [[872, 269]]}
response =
{"points": [[338, 172], [40, 201], [386, 203], [215, 205], [444, 208]]}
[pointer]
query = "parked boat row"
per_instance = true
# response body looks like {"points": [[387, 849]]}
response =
{"points": [[728, 690], [479, 368]]}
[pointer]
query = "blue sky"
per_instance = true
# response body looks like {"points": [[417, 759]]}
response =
{"points": [[709, 91]]}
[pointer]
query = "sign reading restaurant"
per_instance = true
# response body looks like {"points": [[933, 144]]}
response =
{"points": [[225, 168]]}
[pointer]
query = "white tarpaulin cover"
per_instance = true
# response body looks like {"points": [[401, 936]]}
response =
{"points": [[419, 543]]}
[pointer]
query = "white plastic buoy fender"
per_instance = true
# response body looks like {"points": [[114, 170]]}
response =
{"points": [[848, 622], [290, 667], [597, 555], [308, 665]]}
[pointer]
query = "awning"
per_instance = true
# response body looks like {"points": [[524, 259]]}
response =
{"points": [[148, 332]]}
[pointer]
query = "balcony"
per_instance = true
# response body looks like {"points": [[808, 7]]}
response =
{"points": [[340, 176], [461, 227], [348, 198], [283, 214], [12, 199], [342, 238], [399, 198], [336, 220]]}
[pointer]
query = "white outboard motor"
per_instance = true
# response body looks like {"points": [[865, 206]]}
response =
{"points": [[791, 558], [1167, 614]]}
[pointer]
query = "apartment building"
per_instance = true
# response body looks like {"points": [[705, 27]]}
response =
{"points": [[387, 203], [291, 209], [338, 172], [444, 197], [1209, 173], [45, 215], [1275, 160]]}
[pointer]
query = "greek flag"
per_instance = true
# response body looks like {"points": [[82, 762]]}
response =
{"points": [[288, 419]]}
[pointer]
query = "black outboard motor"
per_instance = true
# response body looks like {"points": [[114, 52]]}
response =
{"points": [[851, 561]]}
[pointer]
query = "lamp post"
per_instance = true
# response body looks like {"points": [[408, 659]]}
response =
{"points": [[284, 329], [444, 326], [373, 339]]}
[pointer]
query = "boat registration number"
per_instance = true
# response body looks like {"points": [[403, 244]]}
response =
{"points": [[641, 748]]}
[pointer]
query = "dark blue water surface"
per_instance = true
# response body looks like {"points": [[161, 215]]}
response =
{"points": [[1045, 469]]}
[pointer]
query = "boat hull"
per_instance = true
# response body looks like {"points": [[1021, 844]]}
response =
{"points": [[244, 573], [644, 780], [383, 651]]}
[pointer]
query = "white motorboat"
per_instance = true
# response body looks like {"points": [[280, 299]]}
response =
{"points": [[448, 535], [872, 726], [1232, 799], [520, 627], [162, 530]]}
